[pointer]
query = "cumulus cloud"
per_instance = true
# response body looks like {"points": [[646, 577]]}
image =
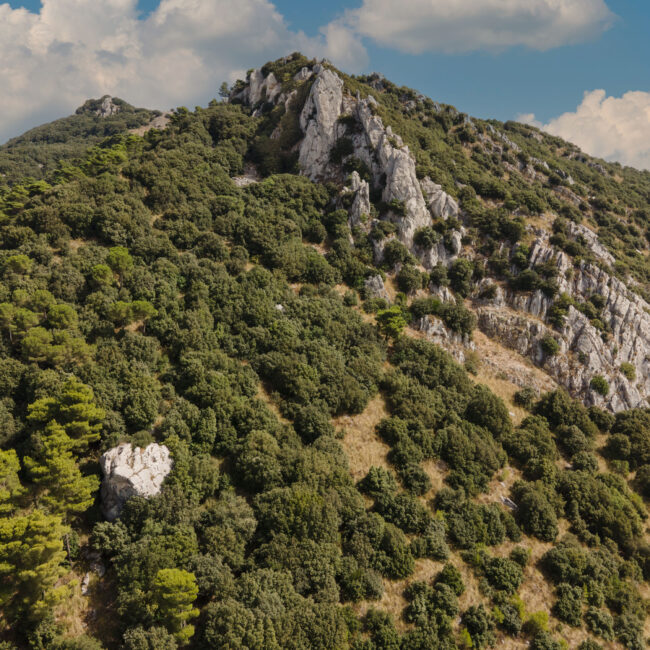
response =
{"points": [[417, 26], [74, 49], [613, 128]]}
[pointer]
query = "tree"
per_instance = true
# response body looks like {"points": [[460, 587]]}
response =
{"points": [[391, 322], [224, 91], [10, 488], [120, 261], [18, 264], [102, 274], [460, 276], [8, 319], [120, 313], [31, 552], [75, 410], [174, 591], [143, 310], [63, 488]]}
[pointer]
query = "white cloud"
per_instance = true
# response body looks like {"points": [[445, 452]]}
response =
{"points": [[52, 61], [613, 128], [417, 26]]}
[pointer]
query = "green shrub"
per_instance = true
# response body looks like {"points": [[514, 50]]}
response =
{"points": [[550, 346], [628, 370], [600, 385], [568, 604]]}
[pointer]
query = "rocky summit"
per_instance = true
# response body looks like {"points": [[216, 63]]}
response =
{"points": [[342, 127]]}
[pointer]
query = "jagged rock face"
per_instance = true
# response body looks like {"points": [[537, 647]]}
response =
{"points": [[583, 352], [383, 152], [361, 207], [132, 472], [319, 122], [440, 204], [107, 108], [591, 239], [437, 332]]}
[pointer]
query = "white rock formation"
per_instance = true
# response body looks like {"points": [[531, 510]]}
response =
{"points": [[107, 108], [319, 123], [583, 352], [360, 208], [376, 145], [440, 204], [592, 242], [132, 472]]}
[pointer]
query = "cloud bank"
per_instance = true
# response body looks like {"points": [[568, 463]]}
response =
{"points": [[613, 128], [74, 49], [417, 26]]}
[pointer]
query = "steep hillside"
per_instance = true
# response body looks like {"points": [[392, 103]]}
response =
{"points": [[516, 220], [255, 296]]}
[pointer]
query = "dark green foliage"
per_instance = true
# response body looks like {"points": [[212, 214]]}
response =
{"points": [[478, 623], [599, 384], [568, 604], [503, 574], [600, 623], [203, 317]]}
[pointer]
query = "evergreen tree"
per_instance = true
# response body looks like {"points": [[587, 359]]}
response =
{"points": [[31, 552], [10, 488], [63, 488], [174, 592], [75, 410]]}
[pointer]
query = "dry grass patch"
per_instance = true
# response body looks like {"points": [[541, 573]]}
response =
{"points": [[361, 443], [505, 372]]}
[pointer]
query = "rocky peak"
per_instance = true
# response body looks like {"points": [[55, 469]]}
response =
{"points": [[324, 121], [103, 107]]}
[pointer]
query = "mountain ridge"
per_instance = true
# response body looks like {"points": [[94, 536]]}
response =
{"points": [[299, 462]]}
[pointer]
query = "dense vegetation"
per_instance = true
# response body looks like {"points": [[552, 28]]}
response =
{"points": [[144, 296]]}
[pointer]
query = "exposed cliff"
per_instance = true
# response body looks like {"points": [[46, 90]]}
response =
{"points": [[343, 138]]}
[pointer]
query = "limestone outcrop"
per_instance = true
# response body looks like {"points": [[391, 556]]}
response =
{"points": [[584, 351], [338, 127], [323, 123], [108, 107], [132, 472]]}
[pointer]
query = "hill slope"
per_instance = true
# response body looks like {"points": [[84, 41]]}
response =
{"points": [[258, 287]]}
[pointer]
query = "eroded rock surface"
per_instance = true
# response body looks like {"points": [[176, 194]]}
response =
{"points": [[132, 472]]}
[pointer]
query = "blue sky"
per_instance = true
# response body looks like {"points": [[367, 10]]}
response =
{"points": [[504, 59]]}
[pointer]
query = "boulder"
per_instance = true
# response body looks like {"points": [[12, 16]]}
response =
{"points": [[132, 472], [375, 287]]}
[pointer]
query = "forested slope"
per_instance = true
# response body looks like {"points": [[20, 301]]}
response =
{"points": [[146, 296]]}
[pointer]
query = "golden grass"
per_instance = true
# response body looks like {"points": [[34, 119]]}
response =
{"points": [[498, 363], [361, 443], [71, 613]]}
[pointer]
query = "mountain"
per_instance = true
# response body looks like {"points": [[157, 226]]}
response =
{"points": [[354, 369], [37, 153]]}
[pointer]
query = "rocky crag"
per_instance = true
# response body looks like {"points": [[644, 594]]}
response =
{"points": [[130, 472], [338, 125]]}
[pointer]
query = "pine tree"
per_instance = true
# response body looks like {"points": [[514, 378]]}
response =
{"points": [[75, 410], [174, 592], [63, 488], [10, 488], [31, 553]]}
